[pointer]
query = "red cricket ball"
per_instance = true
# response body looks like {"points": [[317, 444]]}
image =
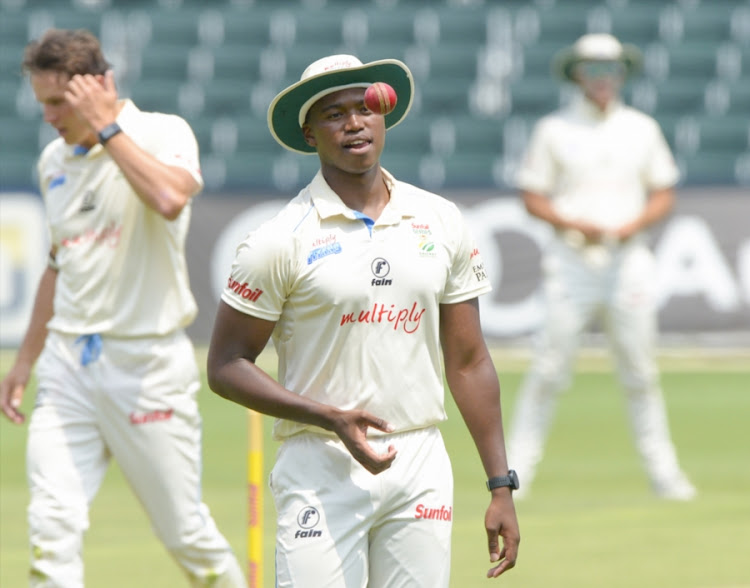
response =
{"points": [[380, 98]]}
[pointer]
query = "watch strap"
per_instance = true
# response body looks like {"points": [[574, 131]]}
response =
{"points": [[108, 132], [511, 481]]}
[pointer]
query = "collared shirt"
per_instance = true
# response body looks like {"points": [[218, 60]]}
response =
{"points": [[122, 269], [356, 306], [597, 166]]}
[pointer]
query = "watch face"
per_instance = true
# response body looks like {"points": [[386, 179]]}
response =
{"points": [[108, 132], [513, 479]]}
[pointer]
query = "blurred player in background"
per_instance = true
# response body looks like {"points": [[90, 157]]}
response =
{"points": [[599, 173], [367, 285], [117, 375]]}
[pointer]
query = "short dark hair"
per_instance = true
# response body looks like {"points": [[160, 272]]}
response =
{"points": [[65, 51]]}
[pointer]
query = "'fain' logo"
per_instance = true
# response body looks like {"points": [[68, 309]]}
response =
{"points": [[380, 269], [308, 518]]}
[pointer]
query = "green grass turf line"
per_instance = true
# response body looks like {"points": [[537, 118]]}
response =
{"points": [[591, 521]]}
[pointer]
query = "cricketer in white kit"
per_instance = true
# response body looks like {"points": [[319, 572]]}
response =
{"points": [[117, 376], [325, 277], [599, 172], [367, 287]]}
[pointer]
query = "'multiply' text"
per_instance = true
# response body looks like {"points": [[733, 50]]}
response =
{"points": [[407, 319]]}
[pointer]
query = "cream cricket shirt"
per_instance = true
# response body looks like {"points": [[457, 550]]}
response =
{"points": [[122, 266], [597, 167], [357, 308]]}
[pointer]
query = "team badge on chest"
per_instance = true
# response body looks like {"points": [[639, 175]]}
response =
{"points": [[424, 239]]}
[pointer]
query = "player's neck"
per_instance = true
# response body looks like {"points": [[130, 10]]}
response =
{"points": [[366, 193]]}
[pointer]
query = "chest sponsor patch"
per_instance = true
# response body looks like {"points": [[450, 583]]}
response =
{"points": [[57, 180], [109, 236], [324, 251], [407, 319]]}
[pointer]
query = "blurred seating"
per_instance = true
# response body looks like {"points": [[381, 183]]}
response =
{"points": [[709, 21], [403, 140], [635, 22], [725, 134], [535, 95], [156, 95], [739, 97], [165, 62], [482, 72]]}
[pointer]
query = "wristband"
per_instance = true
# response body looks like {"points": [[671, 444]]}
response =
{"points": [[108, 132], [511, 481]]}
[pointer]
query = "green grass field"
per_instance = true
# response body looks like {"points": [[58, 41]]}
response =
{"points": [[591, 521]]}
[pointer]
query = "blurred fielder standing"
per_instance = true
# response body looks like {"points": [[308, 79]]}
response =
{"points": [[599, 173], [368, 286], [117, 374]]}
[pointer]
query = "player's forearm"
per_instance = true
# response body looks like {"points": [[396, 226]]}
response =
{"points": [[476, 392], [163, 188], [241, 381], [658, 207], [36, 333], [540, 206]]}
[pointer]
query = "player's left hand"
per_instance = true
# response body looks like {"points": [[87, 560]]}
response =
{"points": [[500, 521], [94, 98]]}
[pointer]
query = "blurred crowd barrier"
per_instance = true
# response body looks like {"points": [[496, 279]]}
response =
{"points": [[702, 250]]}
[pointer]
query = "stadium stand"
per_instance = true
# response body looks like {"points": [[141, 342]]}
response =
{"points": [[482, 70]]}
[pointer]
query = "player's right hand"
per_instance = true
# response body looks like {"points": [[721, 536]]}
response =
{"points": [[351, 427], [11, 394], [94, 98], [501, 522]]}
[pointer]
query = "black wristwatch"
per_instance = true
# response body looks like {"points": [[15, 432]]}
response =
{"points": [[108, 132], [510, 480]]}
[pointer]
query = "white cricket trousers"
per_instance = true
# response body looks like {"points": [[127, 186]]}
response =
{"points": [[621, 291], [136, 402], [339, 526]]}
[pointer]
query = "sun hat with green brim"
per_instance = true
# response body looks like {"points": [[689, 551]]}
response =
{"points": [[596, 47], [288, 109]]}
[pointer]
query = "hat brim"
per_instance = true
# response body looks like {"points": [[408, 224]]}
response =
{"points": [[283, 113], [564, 63]]}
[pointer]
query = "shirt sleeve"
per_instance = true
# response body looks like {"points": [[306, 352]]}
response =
{"points": [[537, 171], [468, 277], [661, 171], [45, 177], [179, 148], [260, 278]]}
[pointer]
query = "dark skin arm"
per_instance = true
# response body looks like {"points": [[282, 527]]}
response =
{"points": [[236, 342], [473, 382], [659, 205]]}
